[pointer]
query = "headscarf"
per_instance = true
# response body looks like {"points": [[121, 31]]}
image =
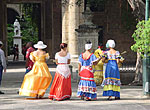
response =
{"points": [[1, 42], [88, 46], [111, 43]]}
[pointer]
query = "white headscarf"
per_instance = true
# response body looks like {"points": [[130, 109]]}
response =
{"points": [[111, 43], [88, 46], [1, 42]]}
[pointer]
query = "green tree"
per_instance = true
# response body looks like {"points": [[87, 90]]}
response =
{"points": [[29, 30], [10, 34], [142, 38], [141, 46]]}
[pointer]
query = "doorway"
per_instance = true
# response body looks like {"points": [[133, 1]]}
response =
{"points": [[50, 24], [25, 18]]}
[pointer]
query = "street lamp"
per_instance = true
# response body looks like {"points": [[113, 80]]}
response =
{"points": [[146, 60]]}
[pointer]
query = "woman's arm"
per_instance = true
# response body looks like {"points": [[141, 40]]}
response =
{"points": [[95, 62], [118, 60], [56, 61], [103, 59], [68, 62], [79, 69]]}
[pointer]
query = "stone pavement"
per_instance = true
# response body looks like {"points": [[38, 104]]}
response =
{"points": [[131, 97]]}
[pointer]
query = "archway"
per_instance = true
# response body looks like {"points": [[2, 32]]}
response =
{"points": [[50, 27], [11, 15]]}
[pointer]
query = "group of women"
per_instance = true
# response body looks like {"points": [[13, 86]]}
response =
{"points": [[39, 78]]}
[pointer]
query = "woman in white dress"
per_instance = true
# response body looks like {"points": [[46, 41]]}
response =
{"points": [[61, 86]]}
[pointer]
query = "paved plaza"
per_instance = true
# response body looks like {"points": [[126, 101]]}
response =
{"points": [[131, 96]]}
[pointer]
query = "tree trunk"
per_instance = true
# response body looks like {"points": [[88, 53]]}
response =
{"points": [[138, 73], [138, 7]]}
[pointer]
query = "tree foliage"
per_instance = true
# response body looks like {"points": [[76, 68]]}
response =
{"points": [[29, 31], [142, 38]]}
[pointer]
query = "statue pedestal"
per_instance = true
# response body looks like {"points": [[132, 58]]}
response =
{"points": [[17, 40], [87, 31]]}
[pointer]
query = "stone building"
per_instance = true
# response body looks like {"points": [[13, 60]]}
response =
{"points": [[59, 21], [108, 17]]}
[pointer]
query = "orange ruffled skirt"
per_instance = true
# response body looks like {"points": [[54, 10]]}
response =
{"points": [[61, 88]]}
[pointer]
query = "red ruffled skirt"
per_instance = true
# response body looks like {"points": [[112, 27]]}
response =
{"points": [[61, 88]]}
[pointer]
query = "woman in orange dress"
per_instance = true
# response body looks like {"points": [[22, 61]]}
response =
{"points": [[61, 86], [39, 78]]}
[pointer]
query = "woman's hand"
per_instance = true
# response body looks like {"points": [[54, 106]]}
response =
{"points": [[79, 74], [95, 62], [4, 71]]}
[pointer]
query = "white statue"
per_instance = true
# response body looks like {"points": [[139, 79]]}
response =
{"points": [[17, 31]]}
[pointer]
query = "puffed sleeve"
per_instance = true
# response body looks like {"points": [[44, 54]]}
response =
{"points": [[27, 53], [80, 58], [56, 56], [93, 57], [118, 55], [98, 53], [47, 56], [68, 56], [32, 57], [105, 55]]}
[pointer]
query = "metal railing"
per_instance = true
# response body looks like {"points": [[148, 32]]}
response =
{"points": [[128, 66]]}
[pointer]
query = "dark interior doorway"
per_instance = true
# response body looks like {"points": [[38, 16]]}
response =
{"points": [[11, 15], [100, 36]]}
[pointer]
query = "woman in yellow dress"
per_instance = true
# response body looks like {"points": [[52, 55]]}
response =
{"points": [[98, 74], [39, 78]]}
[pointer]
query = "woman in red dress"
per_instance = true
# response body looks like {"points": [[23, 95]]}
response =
{"points": [[61, 86]]}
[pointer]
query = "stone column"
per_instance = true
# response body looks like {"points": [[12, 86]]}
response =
{"points": [[73, 24], [71, 18], [65, 23]]}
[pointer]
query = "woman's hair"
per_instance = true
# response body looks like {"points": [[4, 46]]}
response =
{"points": [[88, 45], [63, 45], [88, 42]]}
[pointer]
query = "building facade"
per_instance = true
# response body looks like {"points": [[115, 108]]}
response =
{"points": [[60, 20]]}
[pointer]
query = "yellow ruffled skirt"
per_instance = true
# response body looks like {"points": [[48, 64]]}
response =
{"points": [[36, 81], [98, 74]]}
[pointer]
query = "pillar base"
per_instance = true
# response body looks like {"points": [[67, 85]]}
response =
{"points": [[74, 67]]}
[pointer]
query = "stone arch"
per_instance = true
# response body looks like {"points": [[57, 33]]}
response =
{"points": [[15, 7], [51, 23], [11, 15]]}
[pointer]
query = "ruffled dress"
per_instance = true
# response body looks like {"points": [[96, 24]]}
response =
{"points": [[38, 79], [112, 82], [98, 69], [61, 86], [87, 86]]}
